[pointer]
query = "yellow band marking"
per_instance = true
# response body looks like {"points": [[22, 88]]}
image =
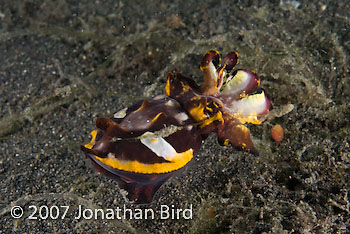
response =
{"points": [[93, 139], [217, 116], [209, 109], [144, 104], [197, 112], [226, 142], [167, 87], [179, 161], [157, 117], [252, 118]]}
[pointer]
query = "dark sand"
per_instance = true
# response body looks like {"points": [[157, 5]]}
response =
{"points": [[63, 64]]}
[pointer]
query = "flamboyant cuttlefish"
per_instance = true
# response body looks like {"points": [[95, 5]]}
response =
{"points": [[145, 144]]}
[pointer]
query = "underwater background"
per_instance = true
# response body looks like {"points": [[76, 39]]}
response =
{"points": [[64, 63]]}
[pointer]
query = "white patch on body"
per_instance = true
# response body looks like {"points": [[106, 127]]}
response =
{"points": [[111, 155], [170, 103], [181, 117], [189, 127], [120, 114], [159, 97], [159, 146]]}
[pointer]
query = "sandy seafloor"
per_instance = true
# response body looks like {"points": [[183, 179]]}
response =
{"points": [[64, 63]]}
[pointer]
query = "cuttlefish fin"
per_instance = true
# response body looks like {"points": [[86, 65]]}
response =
{"points": [[239, 136], [140, 188]]}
